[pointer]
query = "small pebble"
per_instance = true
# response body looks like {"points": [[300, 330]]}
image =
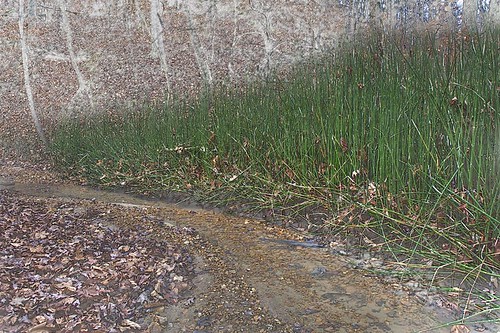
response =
{"points": [[204, 322], [319, 271], [375, 263], [412, 284]]}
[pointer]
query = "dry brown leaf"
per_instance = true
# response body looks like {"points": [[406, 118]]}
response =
{"points": [[66, 285], [459, 329], [40, 328], [36, 249], [41, 235], [131, 324]]}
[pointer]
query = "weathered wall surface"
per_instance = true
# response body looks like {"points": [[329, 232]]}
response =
{"points": [[65, 57]]}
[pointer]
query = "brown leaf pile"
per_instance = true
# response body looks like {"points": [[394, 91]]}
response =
{"points": [[63, 269]]}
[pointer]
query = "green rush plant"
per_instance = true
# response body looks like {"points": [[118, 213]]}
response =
{"points": [[404, 128]]}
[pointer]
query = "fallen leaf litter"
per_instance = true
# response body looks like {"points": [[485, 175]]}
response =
{"points": [[67, 269]]}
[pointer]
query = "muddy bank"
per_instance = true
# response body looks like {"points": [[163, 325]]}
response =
{"points": [[249, 276]]}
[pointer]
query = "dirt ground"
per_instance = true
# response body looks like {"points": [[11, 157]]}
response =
{"points": [[74, 258]]}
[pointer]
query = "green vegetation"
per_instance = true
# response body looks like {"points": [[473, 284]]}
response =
{"points": [[398, 135]]}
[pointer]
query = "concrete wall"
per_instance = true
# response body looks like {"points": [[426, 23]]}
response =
{"points": [[67, 57]]}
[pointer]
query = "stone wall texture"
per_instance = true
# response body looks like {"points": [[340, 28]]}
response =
{"points": [[68, 57]]}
